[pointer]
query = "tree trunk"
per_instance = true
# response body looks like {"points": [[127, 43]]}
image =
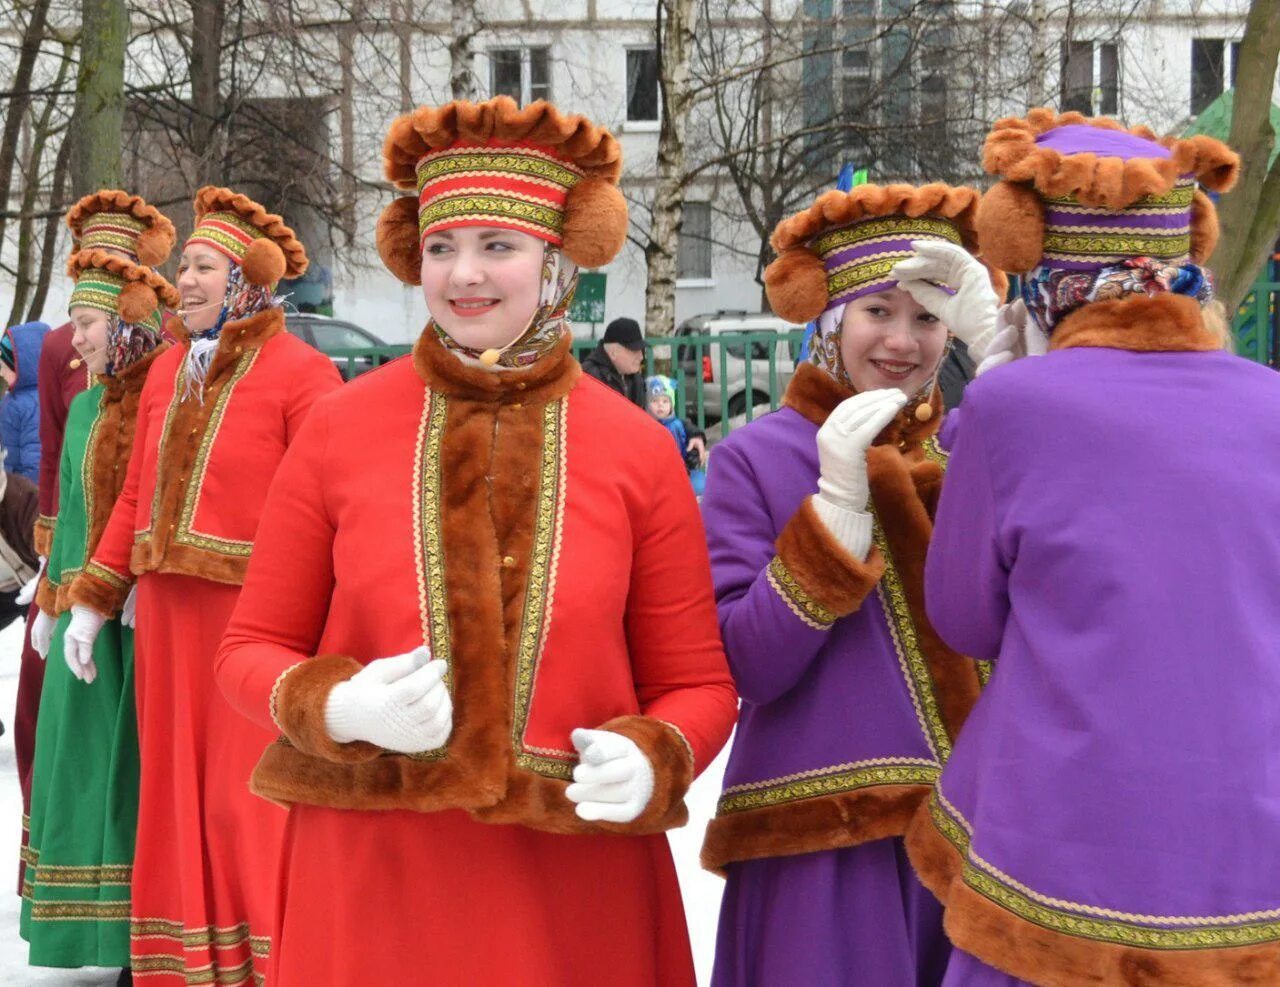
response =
{"points": [[208, 18], [32, 35], [98, 129], [675, 84], [464, 26], [1250, 213], [48, 246]]}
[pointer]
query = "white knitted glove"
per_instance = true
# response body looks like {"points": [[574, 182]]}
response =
{"points": [[77, 643], [970, 313], [42, 633], [129, 612], [1016, 336], [26, 596], [400, 704], [843, 441], [613, 781]]}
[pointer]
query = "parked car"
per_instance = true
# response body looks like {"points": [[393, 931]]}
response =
{"points": [[334, 337], [703, 363]]}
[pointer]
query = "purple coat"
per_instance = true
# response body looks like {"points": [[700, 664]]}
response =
{"points": [[1110, 531], [849, 700]]}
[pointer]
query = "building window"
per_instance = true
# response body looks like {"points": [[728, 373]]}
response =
{"points": [[693, 255], [642, 84], [1090, 77], [933, 89], [855, 84], [524, 74]]}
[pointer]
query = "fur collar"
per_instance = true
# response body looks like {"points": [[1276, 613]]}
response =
{"points": [[248, 333], [131, 378], [1160, 324], [814, 394], [549, 378]]}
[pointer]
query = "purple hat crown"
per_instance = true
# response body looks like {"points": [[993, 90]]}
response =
{"points": [[859, 258]]}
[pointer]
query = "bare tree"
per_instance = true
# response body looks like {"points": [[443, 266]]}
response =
{"points": [[464, 24], [99, 117], [19, 98]]}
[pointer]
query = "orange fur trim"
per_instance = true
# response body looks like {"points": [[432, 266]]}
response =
{"points": [[815, 394], [822, 567], [1204, 227], [672, 761], [1011, 152], [155, 242], [595, 223], [211, 198], [42, 535], [136, 302], [1031, 952], [88, 590], [397, 238], [829, 822], [263, 263], [575, 138], [796, 284], [1162, 323], [895, 480], [1010, 224], [122, 267], [49, 597], [300, 699]]}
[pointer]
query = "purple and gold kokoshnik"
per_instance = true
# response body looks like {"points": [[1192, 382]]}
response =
{"points": [[859, 258]]}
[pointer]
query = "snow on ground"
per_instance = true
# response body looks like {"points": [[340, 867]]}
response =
{"points": [[701, 890]]}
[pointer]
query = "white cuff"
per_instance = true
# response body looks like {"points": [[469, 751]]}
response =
{"points": [[852, 529]]}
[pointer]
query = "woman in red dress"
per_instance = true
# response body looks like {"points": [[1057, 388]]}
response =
{"points": [[480, 612], [214, 419]]}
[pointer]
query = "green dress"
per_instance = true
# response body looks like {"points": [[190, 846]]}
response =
{"points": [[84, 790]]}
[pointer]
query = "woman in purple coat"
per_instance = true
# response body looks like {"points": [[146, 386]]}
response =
{"points": [[818, 517], [1108, 531]]}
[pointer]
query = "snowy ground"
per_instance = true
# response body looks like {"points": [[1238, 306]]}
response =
{"points": [[701, 890]]}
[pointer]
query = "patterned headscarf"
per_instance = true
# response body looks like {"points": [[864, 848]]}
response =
{"points": [[129, 342], [1052, 293], [549, 322], [241, 301]]}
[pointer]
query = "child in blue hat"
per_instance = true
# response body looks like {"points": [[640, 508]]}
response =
{"points": [[692, 443]]}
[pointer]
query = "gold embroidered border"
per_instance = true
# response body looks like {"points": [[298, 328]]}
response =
{"points": [[87, 475], [522, 163], [897, 227], [161, 964], [428, 550], [934, 452], [80, 911], [538, 215], [218, 937], [108, 576], [186, 534], [829, 781], [539, 595], [1091, 921], [797, 600], [859, 275], [105, 875], [1123, 245], [902, 629], [1182, 194]]}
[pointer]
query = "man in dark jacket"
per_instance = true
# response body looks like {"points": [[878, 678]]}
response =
{"points": [[618, 360]]}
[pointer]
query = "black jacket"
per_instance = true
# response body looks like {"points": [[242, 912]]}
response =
{"points": [[630, 386]]}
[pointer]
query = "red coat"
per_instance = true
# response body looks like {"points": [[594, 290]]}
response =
{"points": [[200, 471], [58, 382], [540, 533]]}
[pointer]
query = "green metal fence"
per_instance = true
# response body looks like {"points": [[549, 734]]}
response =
{"points": [[1254, 325], [720, 378]]}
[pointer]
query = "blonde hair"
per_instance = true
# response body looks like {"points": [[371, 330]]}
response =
{"points": [[1216, 321]]}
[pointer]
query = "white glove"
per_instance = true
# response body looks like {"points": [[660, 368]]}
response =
{"points": [[1016, 336], [843, 441], [971, 312], [129, 612], [77, 643], [26, 596], [42, 633], [400, 704], [613, 781]]}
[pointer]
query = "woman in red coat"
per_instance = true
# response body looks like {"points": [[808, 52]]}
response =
{"points": [[215, 417], [480, 613]]}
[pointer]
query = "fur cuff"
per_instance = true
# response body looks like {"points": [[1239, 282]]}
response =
{"points": [[829, 822], [42, 535], [672, 761], [89, 590], [47, 597], [816, 573], [297, 705]]}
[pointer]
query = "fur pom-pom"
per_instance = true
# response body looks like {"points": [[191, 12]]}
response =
{"points": [[1204, 227], [595, 222], [263, 263], [154, 245], [397, 237], [1010, 225], [136, 302], [796, 284]]}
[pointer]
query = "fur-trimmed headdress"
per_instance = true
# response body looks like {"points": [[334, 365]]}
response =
{"points": [[531, 169], [846, 244], [259, 241], [1080, 193], [117, 234]]}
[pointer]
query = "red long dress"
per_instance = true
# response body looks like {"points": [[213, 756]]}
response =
{"points": [[541, 533], [207, 850]]}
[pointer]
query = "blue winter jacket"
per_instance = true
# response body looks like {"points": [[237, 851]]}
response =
{"points": [[20, 407]]}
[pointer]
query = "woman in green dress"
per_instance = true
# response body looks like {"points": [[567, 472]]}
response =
{"points": [[75, 908]]}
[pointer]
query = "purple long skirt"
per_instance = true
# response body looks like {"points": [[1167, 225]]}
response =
{"points": [[855, 917]]}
